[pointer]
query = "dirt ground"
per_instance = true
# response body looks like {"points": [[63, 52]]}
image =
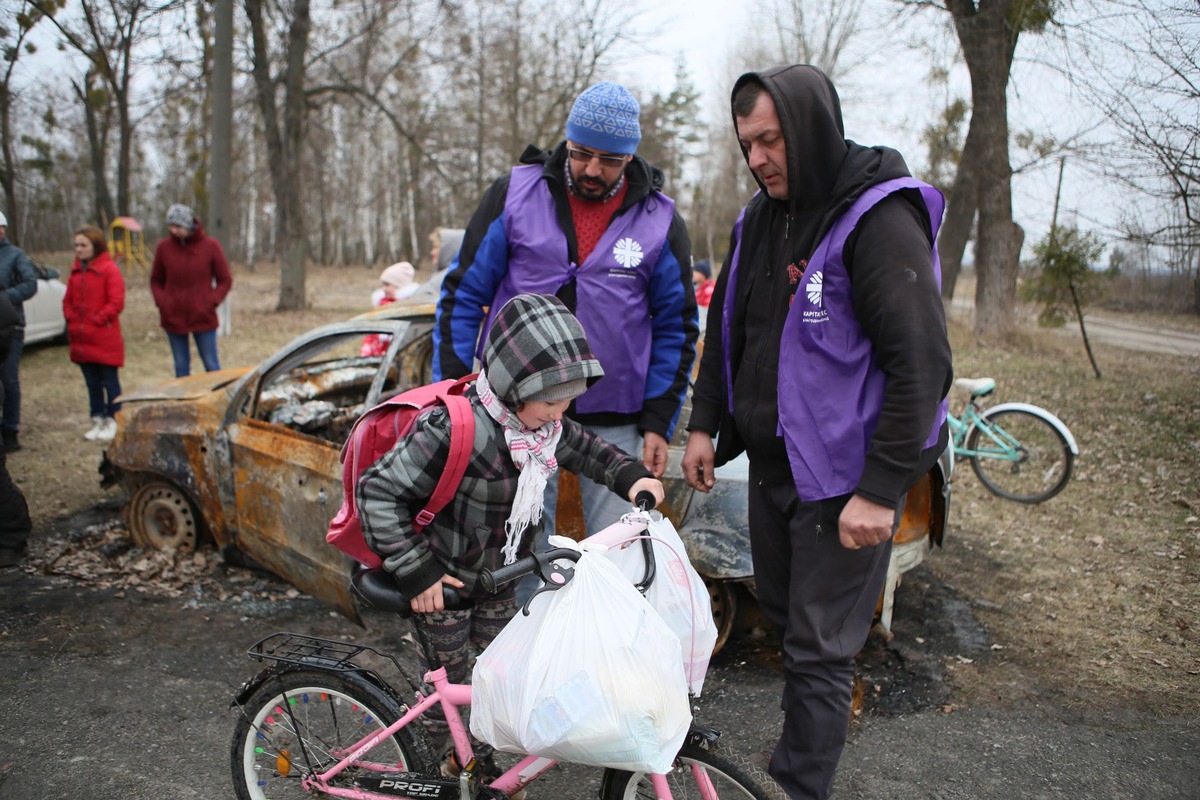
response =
{"points": [[1045, 652]]}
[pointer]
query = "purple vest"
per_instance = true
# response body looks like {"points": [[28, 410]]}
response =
{"points": [[830, 389], [611, 284]]}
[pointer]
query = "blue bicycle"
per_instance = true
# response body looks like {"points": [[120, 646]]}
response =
{"points": [[1019, 451]]}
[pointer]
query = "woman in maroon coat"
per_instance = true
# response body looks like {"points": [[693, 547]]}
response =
{"points": [[189, 279], [92, 307]]}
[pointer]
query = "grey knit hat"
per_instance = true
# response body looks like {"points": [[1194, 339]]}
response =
{"points": [[568, 390], [182, 216]]}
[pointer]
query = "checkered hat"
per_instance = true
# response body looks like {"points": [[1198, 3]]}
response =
{"points": [[534, 346]]}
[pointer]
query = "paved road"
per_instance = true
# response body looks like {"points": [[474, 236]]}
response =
{"points": [[113, 697], [1113, 330]]}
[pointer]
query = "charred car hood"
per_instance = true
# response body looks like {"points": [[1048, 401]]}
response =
{"points": [[193, 387]]}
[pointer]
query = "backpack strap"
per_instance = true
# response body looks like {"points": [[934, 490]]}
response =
{"points": [[462, 442]]}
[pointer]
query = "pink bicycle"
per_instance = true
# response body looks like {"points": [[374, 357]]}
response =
{"points": [[317, 721]]}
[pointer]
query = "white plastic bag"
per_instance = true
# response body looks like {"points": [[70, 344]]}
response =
{"points": [[590, 676], [677, 593]]}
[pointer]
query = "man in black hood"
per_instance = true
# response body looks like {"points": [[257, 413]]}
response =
{"points": [[829, 367]]}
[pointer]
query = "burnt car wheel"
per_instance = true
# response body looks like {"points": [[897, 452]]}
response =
{"points": [[723, 597], [162, 517]]}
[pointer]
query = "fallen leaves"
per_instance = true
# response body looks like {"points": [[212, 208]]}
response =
{"points": [[104, 556]]}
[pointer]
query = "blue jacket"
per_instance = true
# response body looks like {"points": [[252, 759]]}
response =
{"points": [[17, 276], [482, 264]]}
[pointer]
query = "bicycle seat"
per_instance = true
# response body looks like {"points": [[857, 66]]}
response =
{"points": [[978, 387], [376, 588]]}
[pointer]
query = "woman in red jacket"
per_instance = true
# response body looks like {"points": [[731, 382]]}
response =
{"points": [[189, 279], [92, 307]]}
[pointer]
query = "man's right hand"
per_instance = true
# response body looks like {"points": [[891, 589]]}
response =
{"points": [[698, 459]]}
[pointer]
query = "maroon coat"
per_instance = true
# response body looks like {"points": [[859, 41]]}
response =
{"points": [[182, 282], [92, 306]]}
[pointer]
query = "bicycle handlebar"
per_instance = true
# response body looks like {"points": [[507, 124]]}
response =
{"points": [[494, 578]]}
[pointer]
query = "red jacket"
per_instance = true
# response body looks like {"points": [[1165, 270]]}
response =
{"points": [[182, 282], [92, 307]]}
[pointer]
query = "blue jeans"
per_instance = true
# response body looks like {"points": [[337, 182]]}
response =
{"points": [[601, 506], [10, 377], [104, 387], [206, 345]]}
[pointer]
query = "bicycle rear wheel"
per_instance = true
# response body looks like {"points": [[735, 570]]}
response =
{"points": [[305, 721], [1020, 456], [732, 776]]}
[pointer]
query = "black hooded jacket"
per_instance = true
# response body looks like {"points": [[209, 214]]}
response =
{"points": [[903, 317]]}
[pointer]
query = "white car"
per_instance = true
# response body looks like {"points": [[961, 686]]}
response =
{"points": [[44, 321]]}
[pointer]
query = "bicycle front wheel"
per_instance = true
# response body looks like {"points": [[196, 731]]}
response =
{"points": [[1019, 455], [305, 721], [731, 776]]}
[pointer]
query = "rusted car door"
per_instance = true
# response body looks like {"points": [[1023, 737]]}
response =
{"points": [[285, 430]]}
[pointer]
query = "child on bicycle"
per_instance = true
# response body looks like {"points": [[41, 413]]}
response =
{"points": [[536, 361]]}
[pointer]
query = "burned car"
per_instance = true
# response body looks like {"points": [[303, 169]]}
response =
{"points": [[249, 459]]}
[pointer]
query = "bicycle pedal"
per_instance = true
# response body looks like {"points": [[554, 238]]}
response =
{"points": [[409, 784]]}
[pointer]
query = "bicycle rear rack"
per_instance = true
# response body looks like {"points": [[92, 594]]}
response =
{"points": [[303, 650]]}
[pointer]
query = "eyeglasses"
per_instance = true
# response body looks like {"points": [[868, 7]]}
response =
{"points": [[586, 156]]}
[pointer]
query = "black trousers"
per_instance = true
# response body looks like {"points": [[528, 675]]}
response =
{"points": [[14, 513], [823, 597]]}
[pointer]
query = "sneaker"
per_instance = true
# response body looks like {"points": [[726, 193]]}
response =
{"points": [[487, 768], [97, 426], [108, 430]]}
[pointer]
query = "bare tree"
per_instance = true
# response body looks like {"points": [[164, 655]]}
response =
{"points": [[511, 76], [12, 44], [1143, 73], [108, 35], [283, 123], [818, 33], [988, 31]]}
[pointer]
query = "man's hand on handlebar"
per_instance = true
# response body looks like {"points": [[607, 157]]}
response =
{"points": [[431, 599], [651, 485]]}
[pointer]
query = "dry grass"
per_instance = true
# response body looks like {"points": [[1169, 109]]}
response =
{"points": [[1094, 593], [1096, 589]]}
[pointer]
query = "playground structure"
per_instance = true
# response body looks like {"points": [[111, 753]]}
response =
{"points": [[127, 246]]}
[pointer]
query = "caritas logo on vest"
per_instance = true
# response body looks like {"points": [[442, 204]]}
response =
{"points": [[628, 253], [814, 313]]}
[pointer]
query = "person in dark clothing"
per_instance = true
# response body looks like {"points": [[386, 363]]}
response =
{"points": [[14, 512], [828, 366], [19, 281], [588, 223]]}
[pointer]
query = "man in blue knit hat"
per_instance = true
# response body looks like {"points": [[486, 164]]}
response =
{"points": [[588, 223]]}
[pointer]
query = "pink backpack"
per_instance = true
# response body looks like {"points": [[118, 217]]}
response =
{"points": [[376, 432]]}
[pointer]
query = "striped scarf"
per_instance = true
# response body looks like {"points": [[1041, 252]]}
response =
{"points": [[532, 452]]}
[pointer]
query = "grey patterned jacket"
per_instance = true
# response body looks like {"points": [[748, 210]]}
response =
{"points": [[534, 344]]}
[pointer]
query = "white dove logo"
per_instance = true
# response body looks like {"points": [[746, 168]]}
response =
{"points": [[813, 289], [628, 253]]}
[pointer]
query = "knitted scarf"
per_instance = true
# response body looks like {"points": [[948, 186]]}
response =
{"points": [[532, 451]]}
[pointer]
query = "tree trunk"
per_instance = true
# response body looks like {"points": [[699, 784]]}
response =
{"points": [[988, 42], [105, 213], [8, 179], [960, 213], [285, 145]]}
